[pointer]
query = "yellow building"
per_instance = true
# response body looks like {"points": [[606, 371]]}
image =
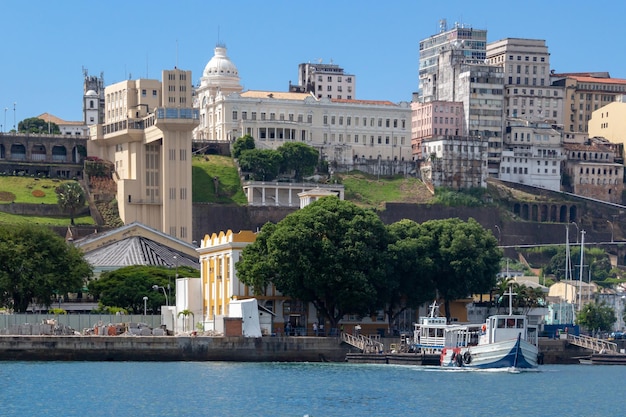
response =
{"points": [[609, 122], [573, 291], [218, 255], [147, 133]]}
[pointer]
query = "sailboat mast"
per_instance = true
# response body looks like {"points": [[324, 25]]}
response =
{"points": [[580, 277]]}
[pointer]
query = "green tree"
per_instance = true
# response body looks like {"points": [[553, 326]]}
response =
{"points": [[37, 125], [186, 314], [466, 258], [409, 281], [330, 253], [299, 158], [70, 197], [254, 266], [35, 265], [243, 143], [264, 164], [596, 317], [126, 287]]}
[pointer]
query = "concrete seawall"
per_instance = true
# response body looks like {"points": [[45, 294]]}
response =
{"points": [[169, 348]]}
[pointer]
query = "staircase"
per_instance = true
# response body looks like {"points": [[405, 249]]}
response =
{"points": [[364, 343], [591, 343]]}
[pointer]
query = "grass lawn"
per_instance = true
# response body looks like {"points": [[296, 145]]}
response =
{"points": [[369, 191], [204, 169], [28, 190], [7, 218]]}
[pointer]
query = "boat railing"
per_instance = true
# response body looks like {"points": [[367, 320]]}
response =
{"points": [[364, 343], [592, 343]]}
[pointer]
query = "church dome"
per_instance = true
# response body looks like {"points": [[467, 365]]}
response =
{"points": [[91, 93], [220, 65]]}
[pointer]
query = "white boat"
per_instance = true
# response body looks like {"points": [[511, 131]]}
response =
{"points": [[429, 334], [503, 341]]}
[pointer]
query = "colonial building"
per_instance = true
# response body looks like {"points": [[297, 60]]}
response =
{"points": [[147, 134], [343, 131], [532, 154], [434, 119], [584, 94], [592, 170]]}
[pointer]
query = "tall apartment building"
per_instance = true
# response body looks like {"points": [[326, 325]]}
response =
{"points": [[147, 134], [584, 94], [435, 119], [532, 154], [325, 80], [528, 93], [470, 42]]}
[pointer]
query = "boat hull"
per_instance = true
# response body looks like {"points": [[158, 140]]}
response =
{"points": [[514, 353]]}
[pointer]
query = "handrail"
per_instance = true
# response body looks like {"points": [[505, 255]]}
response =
{"points": [[364, 343], [592, 343]]}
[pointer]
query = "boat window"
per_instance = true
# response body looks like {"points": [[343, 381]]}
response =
{"points": [[510, 323], [520, 323], [501, 324]]}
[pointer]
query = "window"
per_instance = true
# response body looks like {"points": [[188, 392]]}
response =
{"points": [[234, 114], [154, 93], [244, 115], [143, 93], [329, 79]]}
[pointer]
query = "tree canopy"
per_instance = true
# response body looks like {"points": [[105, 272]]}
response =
{"points": [[125, 287], [36, 265], [299, 158], [329, 253], [37, 125], [243, 143], [264, 164], [70, 197], [343, 260], [465, 258], [596, 317], [409, 282]]}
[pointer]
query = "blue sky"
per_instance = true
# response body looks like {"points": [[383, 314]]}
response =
{"points": [[46, 44]]}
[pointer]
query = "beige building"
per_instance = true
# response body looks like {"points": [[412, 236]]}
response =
{"points": [[593, 171], [527, 90], [147, 134], [434, 119], [325, 80], [584, 94], [609, 121], [573, 291]]}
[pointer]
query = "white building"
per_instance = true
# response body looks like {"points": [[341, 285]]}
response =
{"points": [[344, 131], [532, 155]]}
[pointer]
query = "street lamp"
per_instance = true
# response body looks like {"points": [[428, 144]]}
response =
{"points": [[14, 125], [145, 305], [5, 117], [156, 288], [611, 223]]}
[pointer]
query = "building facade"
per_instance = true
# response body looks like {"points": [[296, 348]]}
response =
{"points": [[584, 94], [609, 121], [147, 134], [592, 170], [532, 154], [528, 93], [325, 80], [343, 131]]}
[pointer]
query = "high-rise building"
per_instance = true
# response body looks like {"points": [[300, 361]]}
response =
{"points": [[528, 93], [471, 44], [147, 134], [325, 80]]}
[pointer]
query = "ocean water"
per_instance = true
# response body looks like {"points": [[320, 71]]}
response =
{"points": [[304, 389]]}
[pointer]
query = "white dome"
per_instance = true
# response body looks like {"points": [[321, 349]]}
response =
{"points": [[220, 65], [91, 93]]}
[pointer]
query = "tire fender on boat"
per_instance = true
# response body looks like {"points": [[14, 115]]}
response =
{"points": [[467, 357]]}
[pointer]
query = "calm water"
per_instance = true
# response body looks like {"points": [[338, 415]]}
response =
{"points": [[299, 389]]}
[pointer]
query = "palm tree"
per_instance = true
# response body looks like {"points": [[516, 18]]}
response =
{"points": [[186, 313], [70, 197]]}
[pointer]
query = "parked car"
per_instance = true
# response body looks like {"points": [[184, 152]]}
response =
{"points": [[617, 336]]}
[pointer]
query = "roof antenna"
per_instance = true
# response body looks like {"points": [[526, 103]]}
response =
{"points": [[176, 54]]}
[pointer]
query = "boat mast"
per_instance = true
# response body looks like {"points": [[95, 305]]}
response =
{"points": [[580, 277]]}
